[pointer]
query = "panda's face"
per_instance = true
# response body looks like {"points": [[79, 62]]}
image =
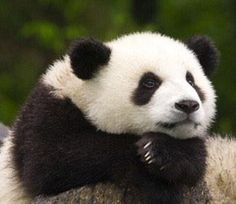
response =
{"points": [[149, 83]]}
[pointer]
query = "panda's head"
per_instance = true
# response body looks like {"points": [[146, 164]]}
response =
{"points": [[140, 83]]}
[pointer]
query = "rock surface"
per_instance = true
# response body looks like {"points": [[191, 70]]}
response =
{"points": [[111, 194]]}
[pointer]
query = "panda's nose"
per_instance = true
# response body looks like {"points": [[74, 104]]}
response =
{"points": [[187, 106]]}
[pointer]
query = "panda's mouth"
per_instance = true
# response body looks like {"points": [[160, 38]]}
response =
{"points": [[174, 125]]}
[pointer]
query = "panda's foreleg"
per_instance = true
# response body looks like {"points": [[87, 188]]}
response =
{"points": [[93, 157], [87, 158]]}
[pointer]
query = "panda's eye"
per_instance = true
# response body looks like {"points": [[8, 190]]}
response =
{"points": [[189, 78], [149, 83], [147, 86]]}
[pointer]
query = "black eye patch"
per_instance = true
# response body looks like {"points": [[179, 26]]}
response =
{"points": [[147, 86], [191, 81]]}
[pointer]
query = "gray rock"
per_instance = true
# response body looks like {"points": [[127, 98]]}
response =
{"points": [[111, 194]]}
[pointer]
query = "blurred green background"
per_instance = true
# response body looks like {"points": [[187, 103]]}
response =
{"points": [[35, 33]]}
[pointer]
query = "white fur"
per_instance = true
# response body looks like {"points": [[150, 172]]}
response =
{"points": [[221, 170], [106, 99], [11, 190]]}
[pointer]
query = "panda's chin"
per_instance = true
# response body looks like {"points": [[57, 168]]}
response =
{"points": [[183, 129], [172, 125]]}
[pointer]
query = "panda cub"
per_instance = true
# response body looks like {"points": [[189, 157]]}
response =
{"points": [[131, 111]]}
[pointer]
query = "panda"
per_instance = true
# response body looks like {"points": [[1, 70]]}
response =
{"points": [[133, 110]]}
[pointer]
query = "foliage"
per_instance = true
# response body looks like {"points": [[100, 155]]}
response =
{"points": [[34, 33]]}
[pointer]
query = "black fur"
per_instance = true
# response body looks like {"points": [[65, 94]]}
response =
{"points": [[142, 95], [56, 149], [206, 53], [191, 81], [87, 55]]}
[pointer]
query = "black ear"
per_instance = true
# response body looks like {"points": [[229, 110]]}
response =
{"points": [[87, 55], [206, 52]]}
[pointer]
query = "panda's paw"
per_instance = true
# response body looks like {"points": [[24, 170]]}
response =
{"points": [[155, 152], [173, 160], [146, 149]]}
